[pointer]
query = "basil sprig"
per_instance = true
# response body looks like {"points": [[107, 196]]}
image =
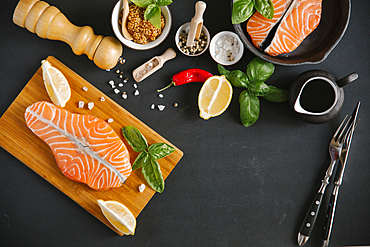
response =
{"points": [[148, 156], [258, 71], [243, 9], [153, 10]]}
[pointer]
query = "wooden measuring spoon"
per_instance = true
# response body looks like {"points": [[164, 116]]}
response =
{"points": [[125, 32], [196, 23], [152, 65]]}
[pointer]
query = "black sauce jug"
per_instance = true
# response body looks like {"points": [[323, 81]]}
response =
{"points": [[317, 96]]}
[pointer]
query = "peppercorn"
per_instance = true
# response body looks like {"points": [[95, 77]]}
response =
{"points": [[197, 47]]}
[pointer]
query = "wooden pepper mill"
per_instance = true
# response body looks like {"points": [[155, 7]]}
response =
{"points": [[49, 23]]}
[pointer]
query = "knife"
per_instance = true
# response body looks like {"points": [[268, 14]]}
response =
{"points": [[329, 219]]}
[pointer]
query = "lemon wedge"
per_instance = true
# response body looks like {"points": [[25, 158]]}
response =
{"points": [[214, 97], [56, 84], [119, 216]]}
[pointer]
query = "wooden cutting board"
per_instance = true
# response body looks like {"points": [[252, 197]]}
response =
{"points": [[17, 139]]}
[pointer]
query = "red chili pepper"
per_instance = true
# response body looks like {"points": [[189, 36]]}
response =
{"points": [[187, 76]]}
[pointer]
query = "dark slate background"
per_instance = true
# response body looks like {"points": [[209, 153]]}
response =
{"points": [[235, 186]]}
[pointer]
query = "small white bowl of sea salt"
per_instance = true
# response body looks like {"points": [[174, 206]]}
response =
{"points": [[226, 48]]}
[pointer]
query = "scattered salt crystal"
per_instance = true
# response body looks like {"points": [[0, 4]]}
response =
{"points": [[102, 99], [161, 107], [120, 85], [85, 88], [124, 95], [81, 104], [160, 95], [110, 120], [111, 82], [152, 106], [90, 105], [136, 92], [141, 188], [134, 85], [107, 70], [125, 80], [116, 91]]}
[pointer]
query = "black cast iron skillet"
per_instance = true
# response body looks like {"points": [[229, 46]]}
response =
{"points": [[318, 45]]}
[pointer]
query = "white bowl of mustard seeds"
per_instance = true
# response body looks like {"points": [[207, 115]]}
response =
{"points": [[116, 26]]}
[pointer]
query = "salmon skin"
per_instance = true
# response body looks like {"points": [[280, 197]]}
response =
{"points": [[86, 148], [301, 19], [259, 27]]}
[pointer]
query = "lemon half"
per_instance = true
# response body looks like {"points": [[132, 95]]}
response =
{"points": [[119, 216], [56, 84], [214, 97]]}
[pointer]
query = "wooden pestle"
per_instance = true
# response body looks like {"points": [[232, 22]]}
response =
{"points": [[49, 23]]}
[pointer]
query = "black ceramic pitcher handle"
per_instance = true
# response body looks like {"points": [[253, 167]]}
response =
{"points": [[347, 80]]}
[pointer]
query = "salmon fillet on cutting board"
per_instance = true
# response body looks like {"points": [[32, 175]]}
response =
{"points": [[86, 148], [258, 26], [301, 19]]}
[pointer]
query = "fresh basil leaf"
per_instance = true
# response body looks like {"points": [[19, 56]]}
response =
{"points": [[249, 108], [153, 175], [259, 70], [134, 138], [142, 3], [164, 2], [160, 150], [223, 71], [258, 89], [238, 78], [265, 7], [153, 15], [141, 160], [242, 10], [276, 94]]}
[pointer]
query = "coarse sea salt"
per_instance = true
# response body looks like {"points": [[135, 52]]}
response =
{"points": [[226, 48], [161, 107], [81, 104], [90, 105], [141, 188]]}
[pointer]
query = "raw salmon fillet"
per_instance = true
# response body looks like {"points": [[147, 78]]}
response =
{"points": [[86, 148], [258, 26], [302, 17]]}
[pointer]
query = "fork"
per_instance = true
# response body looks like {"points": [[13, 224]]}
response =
{"points": [[335, 148]]}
